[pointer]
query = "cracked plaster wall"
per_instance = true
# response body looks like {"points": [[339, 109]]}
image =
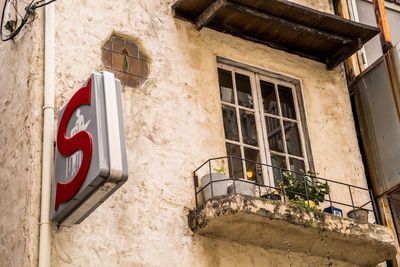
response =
{"points": [[173, 123], [21, 83]]}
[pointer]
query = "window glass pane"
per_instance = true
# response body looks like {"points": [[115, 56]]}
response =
{"points": [[225, 85], [243, 90], [296, 165], [366, 15], [230, 123], [248, 124], [269, 98], [280, 162], [235, 165], [292, 138], [274, 134], [287, 104], [253, 171]]}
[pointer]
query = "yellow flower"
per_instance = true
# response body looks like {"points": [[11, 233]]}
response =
{"points": [[312, 204]]}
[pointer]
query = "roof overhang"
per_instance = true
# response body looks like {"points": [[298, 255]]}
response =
{"points": [[281, 24]]}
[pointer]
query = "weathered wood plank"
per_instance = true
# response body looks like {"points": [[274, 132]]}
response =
{"points": [[184, 16], [209, 14], [257, 39], [289, 24], [342, 54], [312, 15], [318, 33], [309, 16], [382, 22], [177, 4]]}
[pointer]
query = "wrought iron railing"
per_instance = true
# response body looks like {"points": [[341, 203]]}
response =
{"points": [[339, 196]]}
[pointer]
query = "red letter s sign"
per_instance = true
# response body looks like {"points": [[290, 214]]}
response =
{"points": [[67, 146]]}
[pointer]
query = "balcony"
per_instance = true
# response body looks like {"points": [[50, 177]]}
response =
{"points": [[249, 211], [282, 25]]}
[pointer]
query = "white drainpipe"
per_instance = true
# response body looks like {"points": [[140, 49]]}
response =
{"points": [[48, 138]]}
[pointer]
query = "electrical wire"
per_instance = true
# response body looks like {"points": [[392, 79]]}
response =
{"points": [[30, 11], [45, 4]]}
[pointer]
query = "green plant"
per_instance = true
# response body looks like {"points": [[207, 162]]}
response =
{"points": [[221, 170], [298, 188]]}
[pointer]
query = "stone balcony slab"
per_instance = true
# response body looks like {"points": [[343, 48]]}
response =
{"points": [[274, 224]]}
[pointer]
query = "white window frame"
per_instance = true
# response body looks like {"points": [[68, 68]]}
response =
{"points": [[235, 105], [256, 75], [353, 12]]}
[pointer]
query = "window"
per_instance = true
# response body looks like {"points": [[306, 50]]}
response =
{"points": [[262, 123], [363, 11], [126, 61]]}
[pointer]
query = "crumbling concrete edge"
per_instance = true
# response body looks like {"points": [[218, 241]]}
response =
{"points": [[277, 210]]}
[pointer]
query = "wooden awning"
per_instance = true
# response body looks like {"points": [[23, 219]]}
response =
{"points": [[282, 25]]}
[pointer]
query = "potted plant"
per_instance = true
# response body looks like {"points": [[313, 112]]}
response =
{"points": [[243, 186], [359, 215], [298, 188], [219, 182]]}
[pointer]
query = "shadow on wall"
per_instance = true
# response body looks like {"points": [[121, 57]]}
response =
{"points": [[217, 252]]}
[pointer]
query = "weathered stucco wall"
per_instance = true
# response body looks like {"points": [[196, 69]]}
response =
{"points": [[173, 123], [324, 6], [21, 72]]}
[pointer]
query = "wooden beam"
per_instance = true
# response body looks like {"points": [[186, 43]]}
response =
{"points": [[289, 24], [177, 4], [209, 14], [353, 62], [343, 54], [382, 22], [257, 39], [343, 37], [183, 16]]}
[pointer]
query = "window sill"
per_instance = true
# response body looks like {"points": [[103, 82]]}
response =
{"points": [[273, 224]]}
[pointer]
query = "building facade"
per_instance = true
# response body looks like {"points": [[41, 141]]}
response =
{"points": [[378, 71], [176, 117]]}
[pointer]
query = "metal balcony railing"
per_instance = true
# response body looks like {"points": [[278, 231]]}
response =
{"points": [[247, 177]]}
